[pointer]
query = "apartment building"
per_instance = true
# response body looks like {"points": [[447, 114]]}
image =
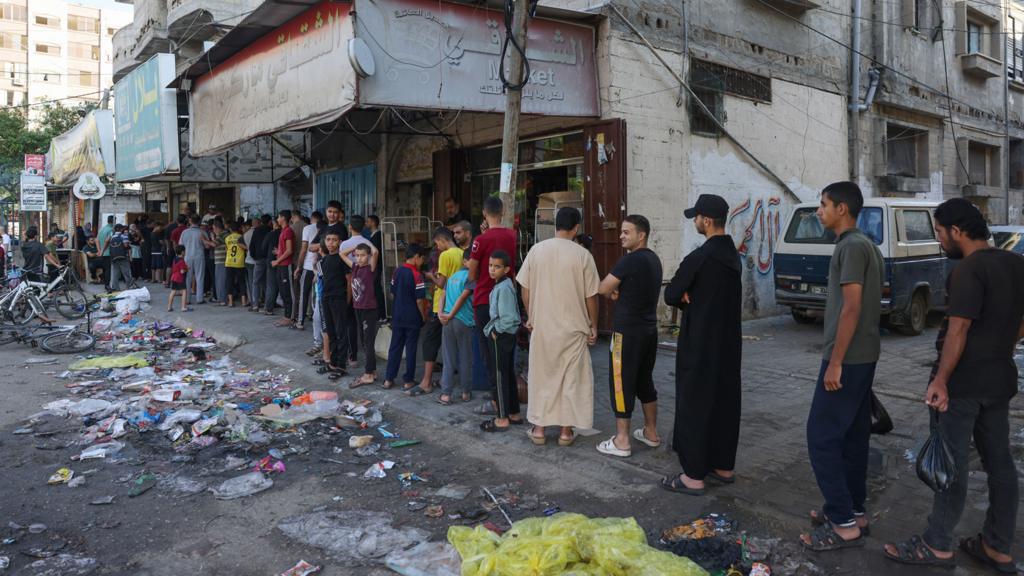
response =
{"points": [[54, 50]]}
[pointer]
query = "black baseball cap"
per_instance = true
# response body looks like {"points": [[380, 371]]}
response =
{"points": [[710, 205]]}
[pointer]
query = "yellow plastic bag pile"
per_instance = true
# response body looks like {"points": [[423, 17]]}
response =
{"points": [[567, 544], [123, 361]]}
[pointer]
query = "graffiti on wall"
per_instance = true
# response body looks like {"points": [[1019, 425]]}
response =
{"points": [[764, 223]]}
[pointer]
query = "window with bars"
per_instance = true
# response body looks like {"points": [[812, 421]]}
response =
{"points": [[1015, 49], [906, 151], [710, 82]]}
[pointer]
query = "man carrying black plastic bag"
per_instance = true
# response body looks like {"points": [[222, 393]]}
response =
{"points": [[970, 387]]}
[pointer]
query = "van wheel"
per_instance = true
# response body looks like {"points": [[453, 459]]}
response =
{"points": [[802, 317], [917, 316]]}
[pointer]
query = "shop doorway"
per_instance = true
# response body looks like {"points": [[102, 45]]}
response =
{"points": [[223, 198]]}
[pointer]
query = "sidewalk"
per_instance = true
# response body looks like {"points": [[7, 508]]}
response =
{"points": [[776, 488]]}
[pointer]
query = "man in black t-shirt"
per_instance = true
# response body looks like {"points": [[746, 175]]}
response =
{"points": [[34, 253], [635, 286], [974, 379]]}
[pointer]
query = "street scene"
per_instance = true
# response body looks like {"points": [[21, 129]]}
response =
{"points": [[511, 287]]}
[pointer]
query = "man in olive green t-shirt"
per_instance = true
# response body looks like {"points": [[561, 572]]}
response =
{"points": [[839, 424]]}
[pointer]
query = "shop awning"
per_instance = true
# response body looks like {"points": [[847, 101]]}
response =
{"points": [[292, 76], [88, 147]]}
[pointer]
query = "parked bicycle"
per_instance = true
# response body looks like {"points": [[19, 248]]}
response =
{"points": [[30, 298]]}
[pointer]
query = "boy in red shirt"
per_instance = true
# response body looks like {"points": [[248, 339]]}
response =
{"points": [[282, 266], [178, 275]]}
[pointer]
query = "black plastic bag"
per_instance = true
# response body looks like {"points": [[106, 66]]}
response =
{"points": [[935, 464], [881, 423]]}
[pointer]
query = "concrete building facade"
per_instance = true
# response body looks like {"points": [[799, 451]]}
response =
{"points": [[53, 50]]}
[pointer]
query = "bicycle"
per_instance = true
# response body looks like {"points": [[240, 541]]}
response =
{"points": [[26, 300], [62, 339]]}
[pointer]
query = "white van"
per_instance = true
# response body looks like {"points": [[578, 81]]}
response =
{"points": [[915, 266]]}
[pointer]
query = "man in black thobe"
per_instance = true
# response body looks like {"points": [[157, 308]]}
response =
{"points": [[707, 289]]}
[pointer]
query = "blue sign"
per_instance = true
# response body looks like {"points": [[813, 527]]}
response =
{"points": [[145, 120]]}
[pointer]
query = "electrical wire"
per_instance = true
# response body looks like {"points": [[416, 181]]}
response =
{"points": [[904, 25], [949, 103], [441, 132], [45, 102], [510, 38], [869, 58], [372, 128]]}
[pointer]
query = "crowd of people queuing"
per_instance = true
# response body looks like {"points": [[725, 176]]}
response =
{"points": [[468, 306]]}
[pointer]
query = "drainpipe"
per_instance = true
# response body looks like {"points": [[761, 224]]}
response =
{"points": [[1007, 58], [853, 106]]}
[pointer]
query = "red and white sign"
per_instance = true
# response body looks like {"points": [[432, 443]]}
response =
{"points": [[35, 164], [439, 55], [295, 77]]}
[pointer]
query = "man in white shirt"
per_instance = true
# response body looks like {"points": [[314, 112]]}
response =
{"points": [[309, 258], [6, 239]]}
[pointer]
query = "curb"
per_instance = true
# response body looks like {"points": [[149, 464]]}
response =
{"points": [[226, 339]]}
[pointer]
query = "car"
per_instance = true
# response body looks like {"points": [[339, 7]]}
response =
{"points": [[1008, 238], [914, 281]]}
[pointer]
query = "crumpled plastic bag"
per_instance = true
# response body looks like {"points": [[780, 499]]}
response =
{"points": [[122, 361], [935, 464], [566, 544]]}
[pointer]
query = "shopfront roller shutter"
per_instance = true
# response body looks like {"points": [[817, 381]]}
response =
{"points": [[355, 188]]}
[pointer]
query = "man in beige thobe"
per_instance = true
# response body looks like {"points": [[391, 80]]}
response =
{"points": [[559, 285]]}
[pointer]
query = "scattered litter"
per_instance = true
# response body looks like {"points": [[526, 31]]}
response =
{"points": [[759, 569], [36, 528], [368, 450], [61, 565], [352, 535], [142, 484], [403, 443], [181, 484], [242, 486], [712, 553], [101, 450], [562, 542], [706, 526], [453, 491], [378, 470], [359, 441], [434, 511], [62, 476], [5, 562], [102, 501], [425, 559], [386, 433], [76, 482], [303, 568], [268, 464], [122, 361], [20, 431]]}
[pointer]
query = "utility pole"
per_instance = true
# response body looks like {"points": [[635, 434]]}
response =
{"points": [[513, 104]]}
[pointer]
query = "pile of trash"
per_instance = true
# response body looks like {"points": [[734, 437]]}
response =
{"points": [[566, 544], [152, 392], [713, 542]]}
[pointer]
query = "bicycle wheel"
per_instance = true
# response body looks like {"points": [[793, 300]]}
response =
{"points": [[67, 342], [8, 335], [70, 303], [21, 312]]}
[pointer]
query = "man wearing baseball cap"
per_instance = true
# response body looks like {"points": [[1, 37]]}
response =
{"points": [[708, 290]]}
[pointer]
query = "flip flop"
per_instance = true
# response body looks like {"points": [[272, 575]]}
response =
{"points": [[443, 402], [915, 552], [335, 376], [417, 391], [409, 386], [360, 382], [638, 435], [974, 549], [608, 447], [722, 479], [675, 484]]}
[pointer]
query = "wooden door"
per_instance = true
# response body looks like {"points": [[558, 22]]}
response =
{"points": [[604, 197]]}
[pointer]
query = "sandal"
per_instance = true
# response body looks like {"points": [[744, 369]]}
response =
{"points": [[974, 549], [320, 362], [444, 400], [824, 539], [361, 382], [409, 386], [314, 351], [335, 375], [467, 396], [538, 440], [608, 447], [563, 441], [817, 516], [519, 422], [328, 369], [638, 435], [417, 391], [492, 426], [721, 479], [388, 384], [674, 483], [916, 552], [486, 409]]}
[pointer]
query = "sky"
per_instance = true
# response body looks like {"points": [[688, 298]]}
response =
{"points": [[104, 4]]}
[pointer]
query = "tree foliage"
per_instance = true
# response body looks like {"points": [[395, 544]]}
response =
{"points": [[29, 131]]}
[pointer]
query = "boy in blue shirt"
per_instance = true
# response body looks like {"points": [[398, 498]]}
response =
{"points": [[457, 335], [410, 311], [501, 339]]}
